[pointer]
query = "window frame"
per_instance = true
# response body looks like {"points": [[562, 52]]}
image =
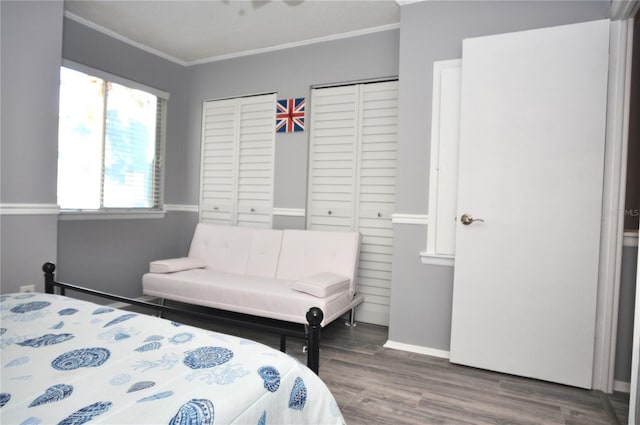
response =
{"points": [[131, 212]]}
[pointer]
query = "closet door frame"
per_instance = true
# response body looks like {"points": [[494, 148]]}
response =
{"points": [[351, 220]]}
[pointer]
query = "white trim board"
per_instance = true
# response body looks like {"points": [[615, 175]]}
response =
{"points": [[332, 37], [399, 218], [287, 212], [122, 38], [611, 236], [443, 167], [29, 209], [437, 260], [630, 239], [290, 212], [418, 349], [110, 215], [621, 386], [181, 207]]}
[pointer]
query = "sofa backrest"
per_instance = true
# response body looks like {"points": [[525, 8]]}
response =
{"points": [[306, 252], [239, 250]]}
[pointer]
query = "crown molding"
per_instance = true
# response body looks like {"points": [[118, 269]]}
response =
{"points": [[623, 9], [163, 55], [124, 39], [285, 46]]}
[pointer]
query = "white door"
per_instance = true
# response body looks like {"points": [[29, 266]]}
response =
{"points": [[531, 166]]}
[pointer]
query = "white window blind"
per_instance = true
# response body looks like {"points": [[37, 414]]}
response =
{"points": [[443, 172], [109, 145]]}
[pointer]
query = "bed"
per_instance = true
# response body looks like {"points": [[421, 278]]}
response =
{"points": [[70, 361]]}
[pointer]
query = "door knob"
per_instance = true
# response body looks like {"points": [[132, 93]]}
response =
{"points": [[467, 219]]}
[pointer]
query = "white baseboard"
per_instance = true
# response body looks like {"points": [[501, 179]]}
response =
{"points": [[630, 239], [417, 349], [621, 386]]}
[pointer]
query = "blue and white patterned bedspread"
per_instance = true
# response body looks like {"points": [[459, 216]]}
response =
{"points": [[68, 361]]}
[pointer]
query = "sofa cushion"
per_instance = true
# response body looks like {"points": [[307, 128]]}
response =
{"points": [[173, 265], [264, 252], [260, 296], [239, 250], [224, 248], [306, 252], [321, 284]]}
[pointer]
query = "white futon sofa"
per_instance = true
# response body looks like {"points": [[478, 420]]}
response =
{"points": [[278, 274]]}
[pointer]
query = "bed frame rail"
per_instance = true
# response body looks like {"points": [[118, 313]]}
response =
{"points": [[310, 333]]}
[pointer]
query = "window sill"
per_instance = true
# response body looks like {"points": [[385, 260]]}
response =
{"points": [[69, 215]]}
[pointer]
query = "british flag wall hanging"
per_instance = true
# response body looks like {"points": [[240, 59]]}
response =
{"points": [[290, 115]]}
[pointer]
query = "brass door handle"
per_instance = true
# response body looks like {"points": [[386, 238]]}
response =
{"points": [[467, 219]]}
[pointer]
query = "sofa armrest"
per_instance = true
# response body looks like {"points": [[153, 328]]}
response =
{"points": [[176, 264], [322, 285]]}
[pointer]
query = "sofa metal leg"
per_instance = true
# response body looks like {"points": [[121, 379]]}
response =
{"points": [[162, 301], [352, 318]]}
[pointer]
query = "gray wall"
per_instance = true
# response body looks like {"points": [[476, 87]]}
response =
{"points": [[88, 47], [290, 73], [626, 310], [31, 44], [421, 295], [112, 255]]}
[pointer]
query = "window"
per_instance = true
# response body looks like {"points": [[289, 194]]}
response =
{"points": [[443, 172], [109, 144]]}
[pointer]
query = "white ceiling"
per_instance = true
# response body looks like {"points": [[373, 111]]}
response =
{"points": [[190, 32]]}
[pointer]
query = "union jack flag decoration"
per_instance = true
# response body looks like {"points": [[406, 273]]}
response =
{"points": [[290, 115]]}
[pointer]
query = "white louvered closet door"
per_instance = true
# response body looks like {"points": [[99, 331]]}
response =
{"points": [[352, 179], [238, 137], [218, 161], [332, 158], [256, 161], [376, 197]]}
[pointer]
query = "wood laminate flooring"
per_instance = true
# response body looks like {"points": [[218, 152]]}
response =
{"points": [[377, 385]]}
